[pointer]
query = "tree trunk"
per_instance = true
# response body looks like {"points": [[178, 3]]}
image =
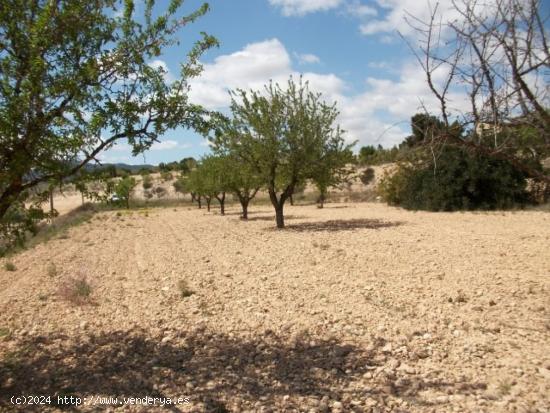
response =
{"points": [[51, 201], [291, 199], [244, 205], [200, 202], [321, 200], [221, 200], [208, 200], [278, 203], [9, 195], [279, 216]]}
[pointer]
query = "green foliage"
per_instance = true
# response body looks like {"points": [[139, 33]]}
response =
{"points": [[147, 181], [17, 223], [332, 169], [367, 176], [184, 289], [76, 290], [236, 177], [145, 171], [160, 192], [9, 266], [370, 155], [186, 165], [281, 134], [458, 180], [180, 185], [75, 80], [124, 189], [166, 176]]}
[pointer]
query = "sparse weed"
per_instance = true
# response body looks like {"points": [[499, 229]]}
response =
{"points": [[9, 266], [77, 291], [51, 270], [461, 297], [12, 360], [323, 246], [504, 387], [184, 289], [5, 332]]}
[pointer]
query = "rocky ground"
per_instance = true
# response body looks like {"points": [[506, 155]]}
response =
{"points": [[352, 308]]}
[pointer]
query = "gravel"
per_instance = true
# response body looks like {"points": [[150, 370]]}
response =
{"points": [[352, 308]]}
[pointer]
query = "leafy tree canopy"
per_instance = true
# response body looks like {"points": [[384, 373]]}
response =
{"points": [[75, 78]]}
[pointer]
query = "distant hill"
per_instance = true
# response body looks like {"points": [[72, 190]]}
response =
{"points": [[132, 168]]}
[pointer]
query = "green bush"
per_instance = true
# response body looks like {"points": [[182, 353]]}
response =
{"points": [[10, 266], [147, 182], [166, 176], [456, 180], [76, 290], [367, 176], [160, 191], [17, 223]]}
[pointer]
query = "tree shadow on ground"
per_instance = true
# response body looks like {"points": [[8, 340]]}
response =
{"points": [[272, 218], [215, 371], [342, 225]]}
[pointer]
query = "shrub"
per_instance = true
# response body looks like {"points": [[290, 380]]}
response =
{"points": [[184, 289], [76, 290], [367, 176], [457, 180], [147, 182], [124, 189], [166, 176], [51, 270], [159, 191], [9, 266], [17, 223]]}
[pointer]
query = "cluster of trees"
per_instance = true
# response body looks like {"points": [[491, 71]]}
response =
{"points": [[482, 157], [186, 165], [498, 52], [276, 140], [447, 177], [377, 155]]}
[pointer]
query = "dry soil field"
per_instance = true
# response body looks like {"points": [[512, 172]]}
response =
{"points": [[355, 307]]}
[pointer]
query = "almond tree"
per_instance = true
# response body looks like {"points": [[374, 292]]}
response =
{"points": [[215, 179], [280, 134], [75, 79]]}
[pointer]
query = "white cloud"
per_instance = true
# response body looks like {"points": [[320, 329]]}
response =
{"points": [[368, 115], [307, 58], [167, 145], [121, 147], [358, 9], [302, 7], [250, 67], [395, 13]]}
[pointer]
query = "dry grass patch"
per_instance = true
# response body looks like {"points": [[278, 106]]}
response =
{"points": [[76, 290], [10, 266], [51, 270], [184, 289]]}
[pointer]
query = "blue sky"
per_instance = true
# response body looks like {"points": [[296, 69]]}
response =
{"points": [[348, 49]]}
